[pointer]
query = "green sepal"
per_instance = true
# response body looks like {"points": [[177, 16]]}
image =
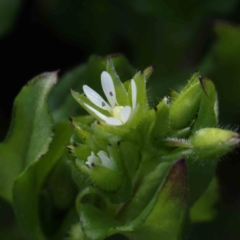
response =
{"points": [[193, 80], [82, 167], [185, 107], [82, 100], [161, 122], [81, 128], [182, 133], [207, 115], [140, 81], [173, 94], [127, 86], [177, 142], [81, 151], [80, 135], [109, 132], [112, 133], [98, 143], [121, 93]]}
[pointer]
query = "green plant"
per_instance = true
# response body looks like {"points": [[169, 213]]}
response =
{"points": [[129, 168]]}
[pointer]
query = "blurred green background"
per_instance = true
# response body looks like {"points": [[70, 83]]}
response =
{"points": [[180, 37]]}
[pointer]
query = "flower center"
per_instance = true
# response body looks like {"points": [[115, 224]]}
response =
{"points": [[116, 112]]}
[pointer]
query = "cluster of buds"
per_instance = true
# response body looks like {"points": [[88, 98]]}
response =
{"points": [[125, 150]]}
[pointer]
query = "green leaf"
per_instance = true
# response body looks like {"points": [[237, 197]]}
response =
{"points": [[204, 210], [28, 185], [164, 216], [30, 132], [200, 175], [121, 93], [158, 217], [144, 193], [95, 223]]}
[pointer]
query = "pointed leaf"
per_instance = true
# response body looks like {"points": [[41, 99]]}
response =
{"points": [[28, 185], [164, 216], [204, 210], [30, 133], [96, 224]]}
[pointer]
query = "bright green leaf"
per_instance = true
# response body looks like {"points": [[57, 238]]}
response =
{"points": [[164, 216], [28, 185], [30, 132]]}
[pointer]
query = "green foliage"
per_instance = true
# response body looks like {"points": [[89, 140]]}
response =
{"points": [[30, 132], [138, 215], [139, 171], [29, 185]]}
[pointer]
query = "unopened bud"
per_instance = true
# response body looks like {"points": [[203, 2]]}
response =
{"points": [[184, 108], [148, 71], [213, 143]]}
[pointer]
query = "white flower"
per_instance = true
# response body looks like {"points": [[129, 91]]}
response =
{"points": [[102, 159], [119, 115]]}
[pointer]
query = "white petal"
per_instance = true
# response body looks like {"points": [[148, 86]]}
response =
{"points": [[95, 98], [106, 161], [134, 93], [108, 88], [92, 159], [113, 121], [125, 114], [103, 117]]}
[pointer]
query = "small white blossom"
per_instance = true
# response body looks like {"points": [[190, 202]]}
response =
{"points": [[102, 158], [119, 114]]}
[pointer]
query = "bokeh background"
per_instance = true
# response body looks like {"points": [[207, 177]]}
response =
{"points": [[179, 36]]}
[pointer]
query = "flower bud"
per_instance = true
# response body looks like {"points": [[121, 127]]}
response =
{"points": [[148, 71], [106, 178], [213, 143], [184, 108], [103, 170]]}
